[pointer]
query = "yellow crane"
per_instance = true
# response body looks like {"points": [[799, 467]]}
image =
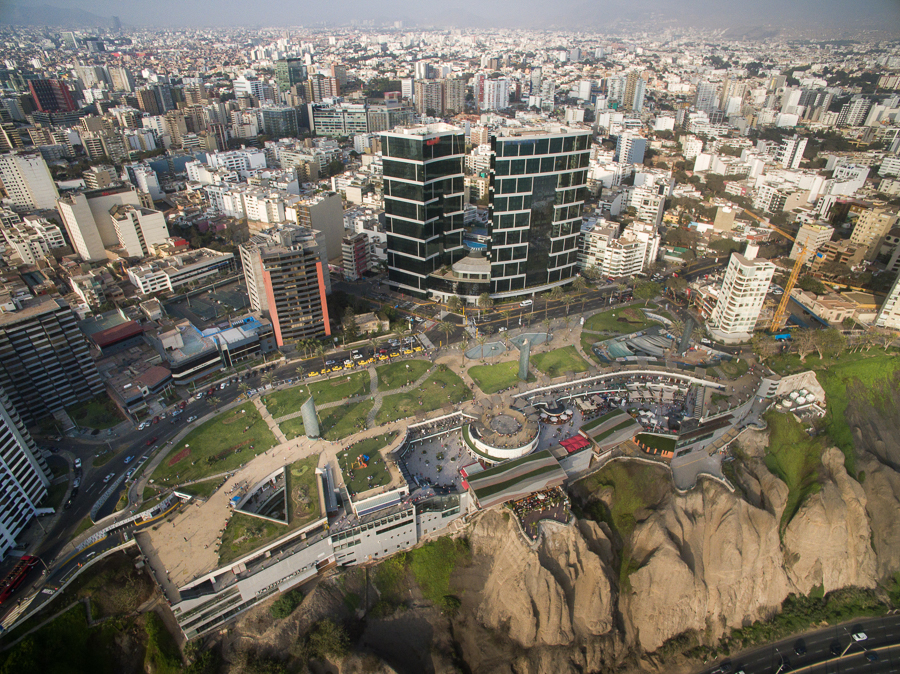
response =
{"points": [[780, 313]]}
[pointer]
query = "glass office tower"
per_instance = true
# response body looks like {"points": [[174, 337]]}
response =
{"points": [[538, 183], [423, 203]]}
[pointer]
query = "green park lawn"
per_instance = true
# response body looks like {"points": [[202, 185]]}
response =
{"points": [[343, 420], [292, 428], [394, 375], [587, 342], [794, 457], [443, 387], [341, 387], [559, 361], [219, 445], [493, 378], [356, 477], [245, 533], [202, 489], [98, 413], [621, 321]]}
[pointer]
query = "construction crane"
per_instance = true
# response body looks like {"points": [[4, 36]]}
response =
{"points": [[780, 313]]}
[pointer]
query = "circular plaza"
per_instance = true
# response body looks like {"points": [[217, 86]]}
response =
{"points": [[499, 432]]}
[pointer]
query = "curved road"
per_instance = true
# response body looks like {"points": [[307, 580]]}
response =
{"points": [[882, 639]]}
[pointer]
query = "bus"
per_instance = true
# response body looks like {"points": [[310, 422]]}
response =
{"points": [[15, 578]]}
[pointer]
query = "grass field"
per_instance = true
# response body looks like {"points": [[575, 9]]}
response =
{"points": [[620, 321], [244, 533], [493, 378], [375, 474], [99, 413], [394, 375], [587, 341], [875, 375], [202, 489], [292, 428], [559, 361], [636, 487], [221, 444], [734, 369], [441, 388], [83, 526], [288, 401], [343, 420], [657, 442], [433, 563], [795, 458]]}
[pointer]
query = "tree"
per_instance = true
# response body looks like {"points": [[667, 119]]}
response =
{"points": [[485, 302], [215, 402], [580, 286], [285, 604], [327, 639], [806, 341], [812, 285], [351, 329], [764, 346], [243, 387], [831, 341], [454, 304], [568, 300], [447, 328], [481, 339], [646, 291], [320, 352], [546, 323]]}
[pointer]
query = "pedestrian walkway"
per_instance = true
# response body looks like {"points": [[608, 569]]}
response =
{"points": [[270, 422]]}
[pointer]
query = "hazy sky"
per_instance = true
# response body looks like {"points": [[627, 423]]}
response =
{"points": [[846, 15]]}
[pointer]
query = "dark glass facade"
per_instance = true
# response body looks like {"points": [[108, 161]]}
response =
{"points": [[539, 184], [423, 203]]}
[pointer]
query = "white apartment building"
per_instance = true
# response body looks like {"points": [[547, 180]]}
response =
{"points": [[244, 159], [145, 179], [889, 315], [138, 228], [34, 239], [648, 196], [691, 146], [496, 94], [614, 255], [22, 473], [83, 231], [742, 296], [790, 153], [174, 271], [811, 236], [27, 181]]}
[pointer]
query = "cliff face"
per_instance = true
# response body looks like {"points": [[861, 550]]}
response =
{"points": [[707, 559], [827, 542], [551, 596]]}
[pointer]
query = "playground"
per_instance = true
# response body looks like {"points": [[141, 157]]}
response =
{"points": [[363, 466]]}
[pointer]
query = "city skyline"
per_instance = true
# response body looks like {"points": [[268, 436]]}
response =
{"points": [[758, 18]]}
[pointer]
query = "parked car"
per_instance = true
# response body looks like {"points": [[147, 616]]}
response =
{"points": [[525, 303], [190, 419], [78, 464], [199, 395], [152, 440]]}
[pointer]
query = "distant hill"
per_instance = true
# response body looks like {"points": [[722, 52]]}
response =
{"points": [[47, 15]]}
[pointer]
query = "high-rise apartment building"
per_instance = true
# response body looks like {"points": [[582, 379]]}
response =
{"points": [[45, 364], [539, 184], [889, 314], [286, 272], [27, 181], [454, 91], [355, 255], [279, 121], [811, 236], [23, 476], [87, 219], [742, 295], [790, 153], [495, 94], [630, 148], [611, 254], [148, 102], [429, 97], [289, 72], [633, 97], [707, 97], [138, 228], [854, 113], [423, 203], [871, 227], [52, 96]]}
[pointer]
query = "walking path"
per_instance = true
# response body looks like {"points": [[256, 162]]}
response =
{"points": [[270, 422]]}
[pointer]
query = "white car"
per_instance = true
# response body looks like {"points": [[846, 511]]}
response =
{"points": [[190, 419], [199, 395], [525, 303], [222, 386], [348, 363], [142, 426], [858, 634]]}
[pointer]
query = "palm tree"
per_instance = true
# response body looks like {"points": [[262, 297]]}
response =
{"points": [[546, 323], [581, 285], [243, 387], [215, 402], [568, 300], [446, 327], [320, 352], [485, 302], [482, 340]]}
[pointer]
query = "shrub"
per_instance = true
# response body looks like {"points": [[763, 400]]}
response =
{"points": [[285, 604]]}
